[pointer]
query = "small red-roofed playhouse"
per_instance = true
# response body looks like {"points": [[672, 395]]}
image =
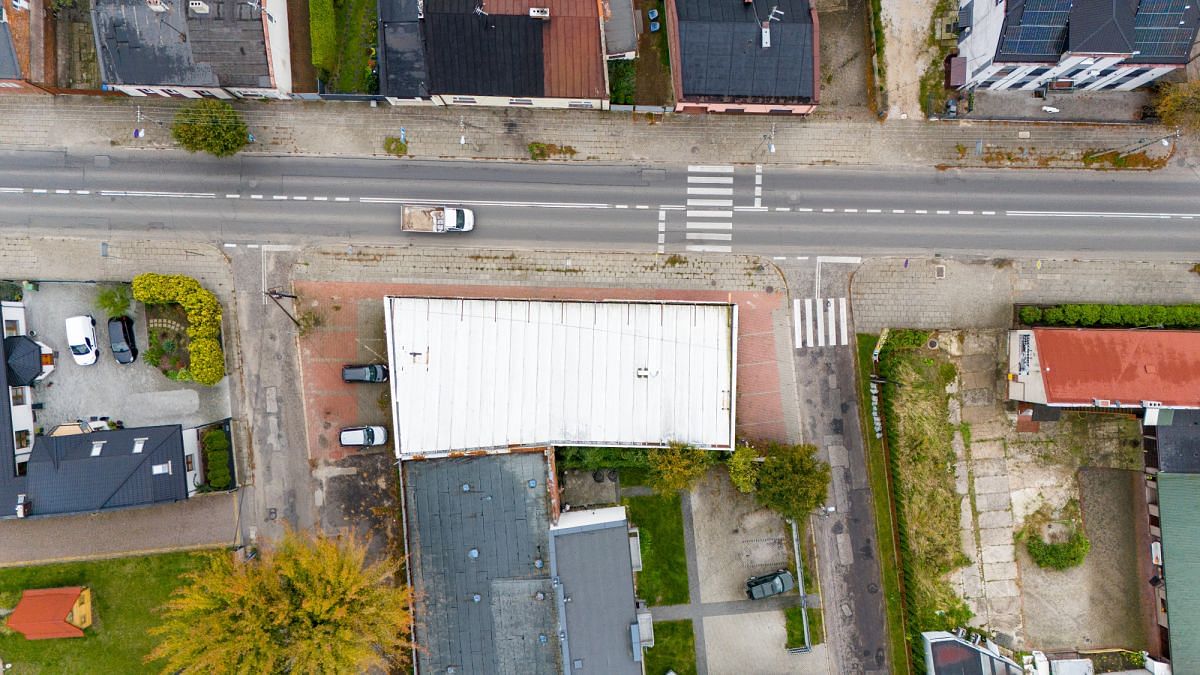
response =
{"points": [[48, 613]]}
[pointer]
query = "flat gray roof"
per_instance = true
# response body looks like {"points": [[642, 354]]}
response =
{"points": [[593, 565], [479, 612], [181, 46]]}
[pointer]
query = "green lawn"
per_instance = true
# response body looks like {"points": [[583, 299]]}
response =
{"points": [[125, 593], [674, 649], [343, 33], [663, 579], [884, 527], [634, 477]]}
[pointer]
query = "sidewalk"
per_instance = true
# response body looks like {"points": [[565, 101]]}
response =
{"points": [[328, 128]]}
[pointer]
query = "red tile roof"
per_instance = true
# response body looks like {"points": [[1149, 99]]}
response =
{"points": [[573, 60], [1082, 364], [42, 614]]}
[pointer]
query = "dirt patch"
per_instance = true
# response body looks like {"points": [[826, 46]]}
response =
{"points": [[304, 74], [907, 50], [735, 538], [360, 497], [845, 53], [1097, 604], [653, 79]]}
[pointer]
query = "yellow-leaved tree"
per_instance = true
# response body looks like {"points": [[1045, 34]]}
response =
{"points": [[308, 604]]}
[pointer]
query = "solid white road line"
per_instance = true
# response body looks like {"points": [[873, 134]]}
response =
{"points": [[808, 321], [708, 168], [842, 311], [829, 307], [711, 180], [709, 191], [709, 214], [709, 236], [849, 259], [709, 248], [820, 323], [11, 189], [710, 202], [706, 225], [752, 209]]}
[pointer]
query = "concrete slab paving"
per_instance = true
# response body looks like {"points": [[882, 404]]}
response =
{"points": [[997, 554], [736, 641]]}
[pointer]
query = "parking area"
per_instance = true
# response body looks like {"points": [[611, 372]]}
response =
{"points": [[735, 539], [137, 394]]}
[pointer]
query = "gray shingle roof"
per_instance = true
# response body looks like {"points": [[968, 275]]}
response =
{"points": [[64, 477], [597, 575], [479, 612], [1179, 500], [1101, 26], [10, 67], [1178, 443]]}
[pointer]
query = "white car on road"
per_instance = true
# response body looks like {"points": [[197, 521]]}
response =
{"points": [[81, 338]]}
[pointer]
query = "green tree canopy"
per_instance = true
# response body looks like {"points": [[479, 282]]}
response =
{"points": [[792, 481], [1179, 105], [677, 467], [211, 126], [743, 469], [307, 605]]}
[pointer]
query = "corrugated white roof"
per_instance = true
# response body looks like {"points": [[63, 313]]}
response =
{"points": [[472, 374]]}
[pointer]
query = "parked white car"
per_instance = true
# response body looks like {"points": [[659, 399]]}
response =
{"points": [[362, 437], [81, 338]]}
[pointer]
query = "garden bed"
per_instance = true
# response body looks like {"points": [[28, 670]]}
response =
{"points": [[168, 348], [216, 448], [125, 591]]}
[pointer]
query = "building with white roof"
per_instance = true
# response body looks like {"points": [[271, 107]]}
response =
{"points": [[478, 374]]}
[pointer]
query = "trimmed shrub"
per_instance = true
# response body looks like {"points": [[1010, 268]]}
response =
{"points": [[322, 26], [204, 319], [215, 439], [1059, 556], [1031, 315], [207, 361], [1117, 316], [743, 469]]}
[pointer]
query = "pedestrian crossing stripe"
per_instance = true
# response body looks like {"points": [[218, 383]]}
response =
{"points": [[821, 322]]}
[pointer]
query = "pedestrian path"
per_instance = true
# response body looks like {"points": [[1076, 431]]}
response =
{"points": [[709, 209], [821, 322]]}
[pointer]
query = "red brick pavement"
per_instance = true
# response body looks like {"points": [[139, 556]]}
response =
{"points": [[330, 404]]}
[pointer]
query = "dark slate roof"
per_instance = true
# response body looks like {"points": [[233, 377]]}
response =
{"points": [[10, 67], [496, 55], [1101, 26], [22, 360], [594, 568], [65, 478], [136, 45], [723, 58], [506, 521], [1179, 442], [402, 70]]}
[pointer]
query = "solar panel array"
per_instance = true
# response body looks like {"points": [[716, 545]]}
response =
{"points": [[1161, 30], [1042, 31]]}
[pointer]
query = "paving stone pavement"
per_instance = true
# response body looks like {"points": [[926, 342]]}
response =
{"points": [[355, 129], [979, 293]]}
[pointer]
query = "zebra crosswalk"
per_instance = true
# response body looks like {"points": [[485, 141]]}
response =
{"points": [[820, 322], [709, 212]]}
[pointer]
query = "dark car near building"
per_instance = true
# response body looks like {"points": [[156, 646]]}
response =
{"points": [[120, 338], [767, 585], [370, 372]]}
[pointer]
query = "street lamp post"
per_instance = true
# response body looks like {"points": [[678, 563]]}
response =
{"points": [[275, 294]]}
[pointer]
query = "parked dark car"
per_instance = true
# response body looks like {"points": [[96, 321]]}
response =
{"points": [[120, 338], [767, 585], [368, 372]]}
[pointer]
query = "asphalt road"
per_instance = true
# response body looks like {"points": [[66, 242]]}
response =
{"points": [[782, 211]]}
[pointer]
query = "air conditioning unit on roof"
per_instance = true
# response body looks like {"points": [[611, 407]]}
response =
{"points": [[156, 5], [539, 13], [198, 6]]}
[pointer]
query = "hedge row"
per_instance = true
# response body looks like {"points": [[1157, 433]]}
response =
{"points": [[207, 359], [216, 459], [1168, 316]]}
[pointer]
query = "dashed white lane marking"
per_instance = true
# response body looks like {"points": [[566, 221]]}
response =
{"points": [[62, 192], [300, 199], [709, 236], [987, 213], [227, 245], [233, 196], [83, 192], [874, 211], [251, 245], [943, 213], [341, 199], [709, 168], [639, 206], [711, 180], [256, 196], [850, 210], [780, 257], [828, 210], [320, 199], [921, 211], [897, 210], [710, 202], [39, 191], [966, 213], [621, 206], [280, 197], [783, 209], [709, 248], [804, 210]]}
